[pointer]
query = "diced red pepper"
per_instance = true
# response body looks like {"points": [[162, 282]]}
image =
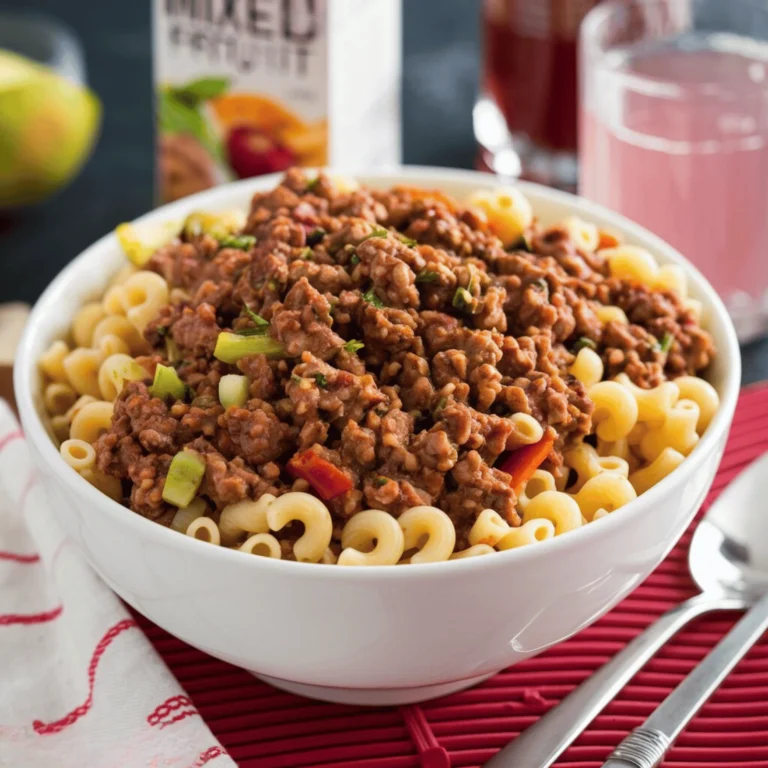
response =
{"points": [[523, 462], [326, 479], [607, 240]]}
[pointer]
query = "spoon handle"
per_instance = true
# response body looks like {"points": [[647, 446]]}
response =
{"points": [[544, 741], [646, 746]]}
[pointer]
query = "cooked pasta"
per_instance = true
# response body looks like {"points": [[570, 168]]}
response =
{"points": [[204, 529], [91, 421], [429, 530], [52, 361], [58, 398], [315, 517], [85, 321], [678, 431], [78, 454], [82, 370], [539, 481], [703, 394], [530, 532], [559, 508], [473, 551], [507, 210], [584, 233], [607, 313], [652, 404], [608, 491], [645, 478], [122, 328], [263, 545], [489, 527], [526, 430], [186, 515], [615, 411], [115, 371], [372, 537], [587, 367], [244, 517], [142, 296]]}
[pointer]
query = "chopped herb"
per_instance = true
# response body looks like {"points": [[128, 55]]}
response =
{"points": [[427, 276], [523, 244], [377, 232], [354, 260], [583, 342], [666, 342], [306, 254], [296, 379], [315, 236], [541, 285], [312, 183], [441, 403], [353, 345], [409, 241], [372, 298], [381, 412], [161, 330], [258, 331], [379, 481], [241, 242], [462, 300], [321, 380], [257, 319]]}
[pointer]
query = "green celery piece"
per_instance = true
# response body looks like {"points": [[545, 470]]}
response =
{"points": [[230, 347], [184, 477], [233, 390], [167, 384]]}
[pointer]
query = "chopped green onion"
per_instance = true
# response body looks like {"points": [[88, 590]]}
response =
{"points": [[259, 330], [354, 259], [306, 253], [257, 319], [462, 300], [312, 183], [409, 241], [231, 347], [315, 236], [321, 380], [583, 342], [377, 232], [666, 342], [379, 481], [140, 241], [233, 390], [372, 298], [296, 379], [353, 345], [184, 478], [167, 384], [427, 276], [240, 242], [441, 403], [172, 350]]}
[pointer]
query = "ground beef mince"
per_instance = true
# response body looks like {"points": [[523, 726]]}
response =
{"points": [[406, 337]]}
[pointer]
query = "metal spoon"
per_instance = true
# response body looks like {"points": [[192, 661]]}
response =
{"points": [[728, 559]]}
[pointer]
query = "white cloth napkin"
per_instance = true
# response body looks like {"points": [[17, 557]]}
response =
{"points": [[80, 684]]}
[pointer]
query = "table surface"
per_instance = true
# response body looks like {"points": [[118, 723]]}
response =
{"points": [[441, 48]]}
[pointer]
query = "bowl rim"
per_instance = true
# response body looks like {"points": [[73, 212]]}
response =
{"points": [[25, 367]]}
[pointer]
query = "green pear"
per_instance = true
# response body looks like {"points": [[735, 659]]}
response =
{"points": [[47, 129]]}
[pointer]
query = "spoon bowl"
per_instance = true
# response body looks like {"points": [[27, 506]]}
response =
{"points": [[729, 550]]}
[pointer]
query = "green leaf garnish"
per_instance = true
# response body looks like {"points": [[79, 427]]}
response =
{"points": [[441, 403], [354, 259], [296, 379], [372, 298], [306, 254], [409, 241], [312, 183], [379, 481], [321, 380], [257, 319], [353, 345], [427, 276], [666, 342], [241, 242], [583, 342], [462, 300], [377, 232], [315, 236]]}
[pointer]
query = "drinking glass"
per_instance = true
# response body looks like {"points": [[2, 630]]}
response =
{"points": [[673, 133]]}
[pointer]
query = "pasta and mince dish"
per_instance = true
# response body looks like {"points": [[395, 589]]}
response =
{"points": [[363, 377]]}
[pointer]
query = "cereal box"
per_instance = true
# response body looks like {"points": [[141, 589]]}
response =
{"points": [[247, 87]]}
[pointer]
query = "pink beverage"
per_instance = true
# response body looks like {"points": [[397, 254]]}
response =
{"points": [[674, 135]]}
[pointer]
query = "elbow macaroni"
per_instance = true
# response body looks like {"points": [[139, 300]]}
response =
{"points": [[616, 410], [371, 538], [244, 517], [587, 367], [507, 210], [313, 514], [429, 530]]}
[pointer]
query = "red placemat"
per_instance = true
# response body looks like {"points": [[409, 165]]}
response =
{"points": [[263, 727]]}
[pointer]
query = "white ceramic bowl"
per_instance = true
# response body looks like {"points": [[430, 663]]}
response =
{"points": [[379, 635]]}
